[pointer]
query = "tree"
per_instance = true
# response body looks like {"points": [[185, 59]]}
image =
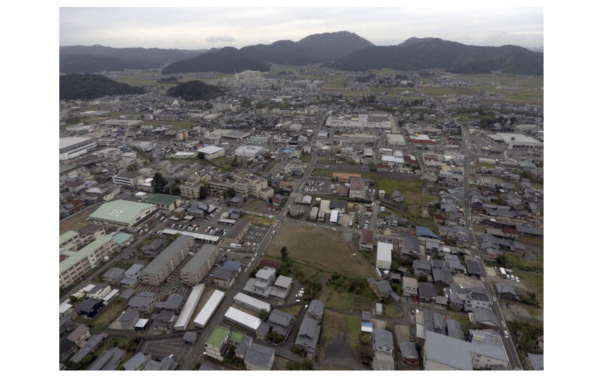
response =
{"points": [[284, 253], [263, 315], [203, 192], [201, 155], [275, 338], [231, 192], [304, 365], [158, 183]]}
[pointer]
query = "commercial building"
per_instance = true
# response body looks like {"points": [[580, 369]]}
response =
{"points": [[243, 319], [195, 270], [121, 213], [74, 146], [516, 140], [166, 262], [395, 140], [485, 350], [358, 189], [384, 255], [75, 263], [249, 152], [164, 201], [212, 152]]}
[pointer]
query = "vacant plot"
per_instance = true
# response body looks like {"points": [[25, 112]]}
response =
{"points": [[393, 311], [344, 327], [531, 240], [320, 248], [294, 310], [109, 314], [77, 221], [258, 220], [410, 190], [533, 282], [329, 173], [341, 301]]}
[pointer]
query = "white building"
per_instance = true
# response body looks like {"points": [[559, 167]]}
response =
{"points": [[384, 255], [248, 151], [212, 152], [73, 146]]}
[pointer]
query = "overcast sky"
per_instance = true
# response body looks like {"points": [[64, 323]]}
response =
{"points": [[200, 28]]}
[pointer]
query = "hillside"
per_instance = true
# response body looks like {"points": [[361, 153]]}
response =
{"points": [[89, 59], [89, 87], [312, 49], [227, 60], [427, 53], [195, 91]]}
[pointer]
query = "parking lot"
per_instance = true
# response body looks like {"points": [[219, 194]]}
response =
{"points": [[254, 236], [317, 186]]}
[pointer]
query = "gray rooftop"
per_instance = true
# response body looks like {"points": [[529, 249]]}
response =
{"points": [[382, 339], [143, 299], [167, 254], [91, 344], [108, 360], [455, 329], [259, 355], [135, 362], [308, 335], [201, 257], [408, 350], [280, 318], [316, 307], [537, 361], [427, 290]]}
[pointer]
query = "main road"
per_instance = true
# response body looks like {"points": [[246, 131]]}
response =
{"points": [[509, 345]]}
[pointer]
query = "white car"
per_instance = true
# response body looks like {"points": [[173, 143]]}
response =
{"points": [[506, 334]]}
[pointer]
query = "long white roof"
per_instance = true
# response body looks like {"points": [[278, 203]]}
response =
{"points": [[188, 308], [253, 302], [209, 308], [240, 317]]}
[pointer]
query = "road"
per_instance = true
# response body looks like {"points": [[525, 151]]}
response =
{"points": [[509, 345]]}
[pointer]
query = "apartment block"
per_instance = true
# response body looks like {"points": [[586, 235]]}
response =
{"points": [[165, 262]]}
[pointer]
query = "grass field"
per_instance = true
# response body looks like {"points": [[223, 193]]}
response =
{"points": [[330, 172], [109, 314], [306, 158], [255, 220], [410, 190], [77, 221], [341, 301], [346, 327], [531, 240], [533, 281], [320, 248], [427, 198], [294, 310]]}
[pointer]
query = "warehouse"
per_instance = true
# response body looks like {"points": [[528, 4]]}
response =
{"points": [[195, 270], [166, 262], [384, 255], [516, 140], [124, 213], [248, 151], [251, 303], [209, 308], [188, 308], [212, 152], [242, 319], [73, 146], [396, 140]]}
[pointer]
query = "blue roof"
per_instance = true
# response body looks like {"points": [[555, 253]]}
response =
{"points": [[121, 238], [232, 265], [424, 231], [287, 151]]}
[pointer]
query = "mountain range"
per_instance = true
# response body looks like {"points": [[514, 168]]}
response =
{"points": [[340, 50], [89, 59]]}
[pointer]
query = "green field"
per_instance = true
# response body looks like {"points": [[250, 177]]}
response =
{"points": [[258, 221], [533, 281], [335, 325], [320, 248], [410, 190]]}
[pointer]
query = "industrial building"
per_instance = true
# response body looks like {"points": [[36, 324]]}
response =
{"points": [[121, 213], [166, 262], [195, 270], [72, 147], [212, 152], [516, 140]]}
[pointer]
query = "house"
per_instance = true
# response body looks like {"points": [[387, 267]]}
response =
{"points": [[174, 302], [427, 292], [473, 267], [224, 278], [456, 296], [410, 246], [383, 349], [259, 357], [164, 320], [128, 319], [108, 360], [114, 275], [409, 353], [410, 287], [308, 335], [144, 302], [91, 345], [506, 291], [99, 291], [421, 268], [152, 249], [432, 248], [454, 329], [366, 240], [315, 310], [66, 348], [383, 289], [486, 318], [477, 297], [136, 362], [167, 363], [454, 264], [89, 308], [280, 322], [442, 278]]}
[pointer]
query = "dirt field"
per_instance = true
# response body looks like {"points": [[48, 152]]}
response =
{"points": [[76, 222], [322, 248], [402, 332]]}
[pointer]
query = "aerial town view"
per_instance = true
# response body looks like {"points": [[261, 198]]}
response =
{"points": [[315, 197]]}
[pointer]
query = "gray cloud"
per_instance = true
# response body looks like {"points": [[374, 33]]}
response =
{"points": [[220, 38], [197, 28]]}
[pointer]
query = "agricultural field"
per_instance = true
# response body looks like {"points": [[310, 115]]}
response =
{"points": [[320, 248]]}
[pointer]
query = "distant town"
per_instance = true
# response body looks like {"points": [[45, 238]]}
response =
{"points": [[308, 218]]}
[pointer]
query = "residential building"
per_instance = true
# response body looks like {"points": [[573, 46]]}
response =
{"points": [[366, 240], [409, 353], [410, 287], [217, 343], [383, 350], [259, 357], [74, 263], [224, 278], [384, 255], [166, 262], [195, 270], [108, 360], [280, 322], [144, 302], [308, 335]]}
